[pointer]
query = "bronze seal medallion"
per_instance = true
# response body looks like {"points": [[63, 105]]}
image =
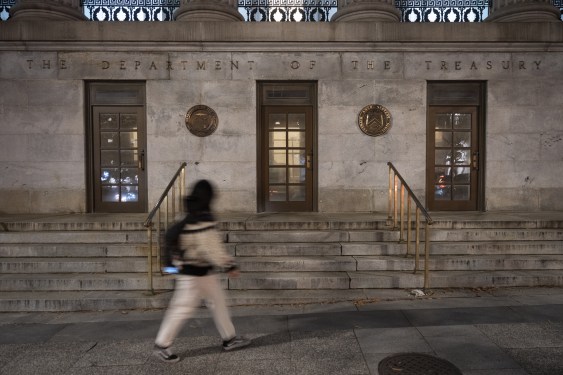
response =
{"points": [[374, 120], [201, 120]]}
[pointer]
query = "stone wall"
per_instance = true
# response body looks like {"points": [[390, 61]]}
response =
{"points": [[43, 68]]}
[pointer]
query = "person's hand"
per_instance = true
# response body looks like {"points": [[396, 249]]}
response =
{"points": [[234, 273]]}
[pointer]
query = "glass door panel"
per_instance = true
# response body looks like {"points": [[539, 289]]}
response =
{"points": [[288, 146], [452, 152], [119, 172]]}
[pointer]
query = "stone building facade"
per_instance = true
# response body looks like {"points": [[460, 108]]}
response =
{"points": [[469, 113]]}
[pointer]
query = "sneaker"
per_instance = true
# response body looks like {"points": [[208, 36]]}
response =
{"points": [[165, 355], [236, 343]]}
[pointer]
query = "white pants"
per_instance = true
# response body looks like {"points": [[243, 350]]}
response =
{"points": [[190, 290]]}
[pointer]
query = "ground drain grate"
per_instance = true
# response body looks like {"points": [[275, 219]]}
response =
{"points": [[416, 364]]}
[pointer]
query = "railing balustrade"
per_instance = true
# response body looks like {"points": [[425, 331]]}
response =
{"points": [[172, 200], [282, 10], [396, 214]]}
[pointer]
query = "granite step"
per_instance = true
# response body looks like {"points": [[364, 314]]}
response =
{"points": [[73, 237], [61, 250], [74, 265]]}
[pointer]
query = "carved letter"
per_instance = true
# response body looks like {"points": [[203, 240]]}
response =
{"points": [[537, 64], [428, 64], [312, 64], [234, 64], [105, 65], [137, 65], [250, 62], [522, 65], [506, 64], [122, 65], [370, 65], [355, 64], [201, 65], [295, 65], [217, 65], [153, 66], [458, 65], [473, 66], [62, 64], [489, 65], [29, 62], [444, 66], [183, 62], [46, 64], [169, 65], [387, 65]]}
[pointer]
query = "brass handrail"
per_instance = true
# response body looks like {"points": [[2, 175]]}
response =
{"points": [[395, 204], [173, 201]]}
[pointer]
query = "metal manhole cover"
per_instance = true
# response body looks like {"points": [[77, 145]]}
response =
{"points": [[416, 364]]}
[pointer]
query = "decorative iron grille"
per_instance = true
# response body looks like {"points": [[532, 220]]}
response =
{"points": [[282, 10], [130, 10], [288, 10], [443, 10], [5, 6]]}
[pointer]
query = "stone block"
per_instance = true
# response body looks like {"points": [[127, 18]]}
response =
{"points": [[59, 200], [515, 199], [114, 65], [506, 93], [230, 200], [511, 147], [17, 97], [287, 66], [361, 65], [355, 93], [13, 201], [550, 199], [517, 119], [354, 147], [28, 65], [538, 65], [232, 148], [458, 65], [551, 146], [55, 147], [338, 120], [345, 200], [352, 174], [203, 66], [14, 147], [390, 93], [56, 93], [58, 119], [43, 176]]}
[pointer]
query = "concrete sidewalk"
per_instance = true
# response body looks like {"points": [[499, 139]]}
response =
{"points": [[513, 331]]}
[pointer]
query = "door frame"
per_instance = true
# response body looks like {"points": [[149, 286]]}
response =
{"points": [[459, 94], [261, 102], [137, 99]]}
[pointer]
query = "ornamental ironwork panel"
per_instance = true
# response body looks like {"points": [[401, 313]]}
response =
{"points": [[288, 10], [443, 10], [282, 10], [5, 6], [130, 10]]}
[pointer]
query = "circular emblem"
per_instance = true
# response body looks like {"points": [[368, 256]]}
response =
{"points": [[201, 120], [374, 120]]}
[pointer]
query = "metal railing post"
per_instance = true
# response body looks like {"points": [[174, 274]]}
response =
{"points": [[164, 198], [427, 256]]}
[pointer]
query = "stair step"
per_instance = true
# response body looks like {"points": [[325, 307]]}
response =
{"points": [[456, 248], [291, 280], [84, 282], [73, 265], [287, 249], [465, 235], [288, 236], [73, 237], [300, 264], [455, 279], [71, 250], [460, 263]]}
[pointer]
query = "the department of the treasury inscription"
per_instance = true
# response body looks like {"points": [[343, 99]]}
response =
{"points": [[374, 120], [201, 120]]}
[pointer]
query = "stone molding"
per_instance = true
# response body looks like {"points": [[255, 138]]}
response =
{"points": [[367, 11], [47, 10], [208, 10], [524, 11]]}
